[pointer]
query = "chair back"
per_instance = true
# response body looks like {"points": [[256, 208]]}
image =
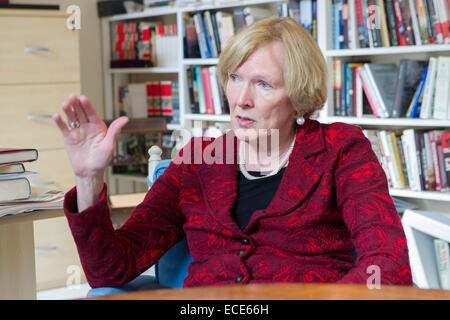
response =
{"points": [[172, 268]]}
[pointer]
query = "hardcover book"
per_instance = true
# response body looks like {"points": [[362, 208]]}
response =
{"points": [[409, 76], [11, 155]]}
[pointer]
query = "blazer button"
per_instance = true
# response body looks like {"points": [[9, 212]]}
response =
{"points": [[239, 278], [245, 241]]}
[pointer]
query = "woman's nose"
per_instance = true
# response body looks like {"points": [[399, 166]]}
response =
{"points": [[245, 98]]}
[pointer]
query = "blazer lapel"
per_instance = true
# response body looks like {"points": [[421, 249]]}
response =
{"points": [[301, 174], [218, 178]]}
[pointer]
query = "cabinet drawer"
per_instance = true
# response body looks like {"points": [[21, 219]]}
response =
{"points": [[54, 169], [27, 114], [38, 49], [57, 260]]}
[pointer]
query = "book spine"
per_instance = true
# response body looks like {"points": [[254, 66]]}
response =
{"points": [[415, 111], [429, 160], [207, 90], [429, 19], [337, 85], [419, 161], [383, 25], [406, 18], [411, 147], [443, 262], [397, 110], [200, 36], [400, 25], [435, 155], [418, 37], [360, 24], [423, 161], [201, 94], [428, 92], [444, 19], [445, 144], [440, 152], [401, 151], [392, 23], [398, 161], [440, 104], [406, 153], [217, 101], [436, 22], [367, 91]]}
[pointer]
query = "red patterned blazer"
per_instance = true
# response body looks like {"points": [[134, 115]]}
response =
{"points": [[333, 199]]}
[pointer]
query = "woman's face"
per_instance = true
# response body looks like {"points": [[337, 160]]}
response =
{"points": [[257, 94]]}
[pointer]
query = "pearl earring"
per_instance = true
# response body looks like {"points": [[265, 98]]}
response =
{"points": [[300, 121]]}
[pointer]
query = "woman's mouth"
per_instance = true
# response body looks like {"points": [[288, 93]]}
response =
{"points": [[244, 121]]}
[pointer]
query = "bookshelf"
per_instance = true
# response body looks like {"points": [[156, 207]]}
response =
{"points": [[325, 41]]}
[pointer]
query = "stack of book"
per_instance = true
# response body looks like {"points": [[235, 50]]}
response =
{"points": [[150, 99], [413, 159], [384, 23], [14, 183], [414, 89], [16, 194], [206, 94], [144, 44], [206, 33], [305, 13]]}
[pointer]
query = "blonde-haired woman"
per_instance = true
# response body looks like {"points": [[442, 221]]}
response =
{"points": [[298, 216]]}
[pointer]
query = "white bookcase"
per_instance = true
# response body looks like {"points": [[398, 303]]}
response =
{"points": [[425, 200], [115, 77]]}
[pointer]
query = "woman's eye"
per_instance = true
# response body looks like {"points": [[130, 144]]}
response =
{"points": [[233, 77], [264, 84]]}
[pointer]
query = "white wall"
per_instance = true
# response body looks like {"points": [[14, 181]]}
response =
{"points": [[90, 47]]}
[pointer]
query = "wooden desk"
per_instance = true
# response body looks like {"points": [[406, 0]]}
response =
{"points": [[288, 291], [17, 260]]}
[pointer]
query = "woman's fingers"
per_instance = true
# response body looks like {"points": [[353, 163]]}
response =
{"points": [[114, 129], [68, 110], [91, 113], [79, 111], [61, 124]]}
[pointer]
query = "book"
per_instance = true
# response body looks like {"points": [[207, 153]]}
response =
{"points": [[384, 80], [14, 189], [391, 22], [429, 171], [12, 155], [201, 95], [441, 248], [434, 154], [207, 90], [445, 144], [11, 176], [225, 24], [428, 91], [12, 168], [441, 99], [411, 150], [409, 75], [138, 100], [252, 14], [415, 106], [46, 200]]}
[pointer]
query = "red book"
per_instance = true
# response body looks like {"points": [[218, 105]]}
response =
{"points": [[207, 90], [445, 143], [400, 25], [367, 92], [11, 155]]}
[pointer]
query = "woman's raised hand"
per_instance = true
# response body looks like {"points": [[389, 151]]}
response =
{"points": [[89, 143]]}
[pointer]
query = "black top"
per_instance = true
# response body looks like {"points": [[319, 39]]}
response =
{"points": [[254, 195]]}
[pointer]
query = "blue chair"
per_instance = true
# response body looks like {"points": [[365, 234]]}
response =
{"points": [[170, 270]]}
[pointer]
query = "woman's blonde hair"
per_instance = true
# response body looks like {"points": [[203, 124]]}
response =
{"points": [[305, 70]]}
